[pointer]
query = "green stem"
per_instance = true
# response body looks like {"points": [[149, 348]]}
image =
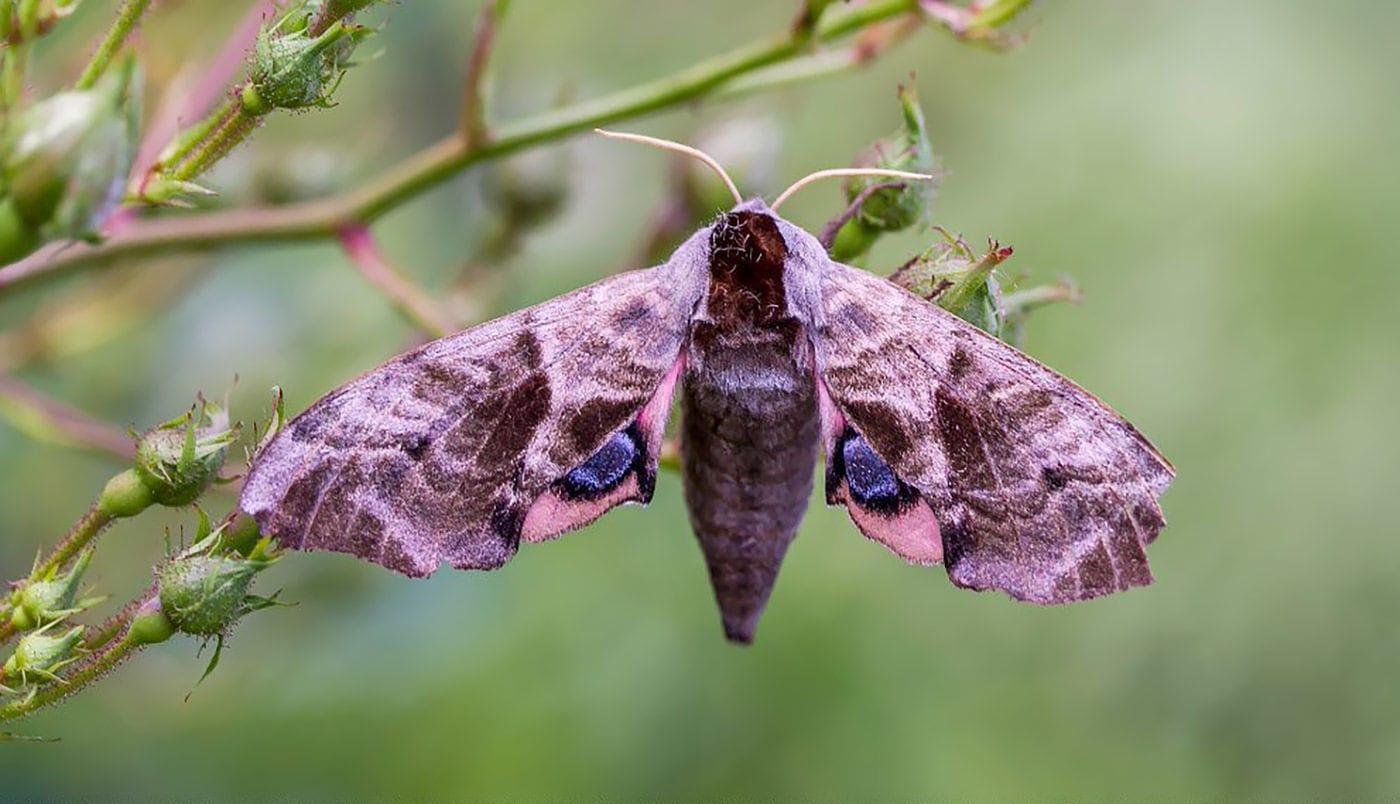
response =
{"points": [[16, 56], [127, 17], [235, 127], [117, 624], [440, 161], [79, 536], [191, 137]]}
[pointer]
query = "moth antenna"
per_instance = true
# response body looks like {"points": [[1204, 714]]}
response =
{"points": [[668, 145], [838, 172]]}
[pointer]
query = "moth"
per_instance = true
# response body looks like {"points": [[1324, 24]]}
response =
{"points": [[945, 445]]}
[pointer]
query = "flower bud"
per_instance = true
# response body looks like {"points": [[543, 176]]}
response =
{"points": [[47, 600], [951, 275], [205, 594], [178, 460], [150, 625], [39, 656], [66, 159], [895, 208], [294, 69]]}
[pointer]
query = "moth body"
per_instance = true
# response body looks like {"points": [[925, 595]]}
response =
{"points": [[749, 420]]}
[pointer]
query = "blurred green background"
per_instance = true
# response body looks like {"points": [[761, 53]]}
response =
{"points": [[1221, 179]]}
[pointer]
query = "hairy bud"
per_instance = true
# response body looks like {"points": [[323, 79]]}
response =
{"points": [[47, 600], [39, 656], [296, 66], [954, 277], [205, 594], [177, 461], [895, 208]]}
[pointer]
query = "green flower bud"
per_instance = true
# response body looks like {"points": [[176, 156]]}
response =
{"points": [[150, 625], [39, 656], [896, 208], [292, 69], [178, 460], [47, 600], [205, 594], [954, 277], [66, 159]]}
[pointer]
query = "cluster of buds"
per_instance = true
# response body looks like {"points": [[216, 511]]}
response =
{"points": [[175, 462], [884, 205], [967, 284], [64, 161], [297, 63]]}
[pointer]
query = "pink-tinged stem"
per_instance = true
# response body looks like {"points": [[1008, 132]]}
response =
{"points": [[63, 420], [473, 117], [407, 298]]}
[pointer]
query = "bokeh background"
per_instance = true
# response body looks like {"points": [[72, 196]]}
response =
{"points": [[1220, 178]]}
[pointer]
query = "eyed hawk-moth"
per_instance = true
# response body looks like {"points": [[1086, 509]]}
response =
{"points": [[945, 445]]}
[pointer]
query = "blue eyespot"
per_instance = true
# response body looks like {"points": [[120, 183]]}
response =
{"points": [[869, 478], [605, 469]]}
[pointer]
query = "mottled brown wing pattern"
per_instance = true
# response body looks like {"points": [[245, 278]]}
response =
{"points": [[1039, 488], [436, 456]]}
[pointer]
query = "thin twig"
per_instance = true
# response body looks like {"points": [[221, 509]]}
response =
{"points": [[438, 162], [33, 410], [473, 129], [127, 17], [409, 299]]}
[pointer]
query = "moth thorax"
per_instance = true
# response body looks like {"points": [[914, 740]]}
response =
{"points": [[747, 253]]}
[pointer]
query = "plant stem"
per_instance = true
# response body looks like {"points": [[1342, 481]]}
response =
{"points": [[410, 300], [473, 125], [116, 625], [438, 162], [83, 532], [16, 56], [49, 418], [234, 127], [127, 18]]}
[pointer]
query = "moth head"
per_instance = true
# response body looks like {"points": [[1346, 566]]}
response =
{"points": [[757, 205]]}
